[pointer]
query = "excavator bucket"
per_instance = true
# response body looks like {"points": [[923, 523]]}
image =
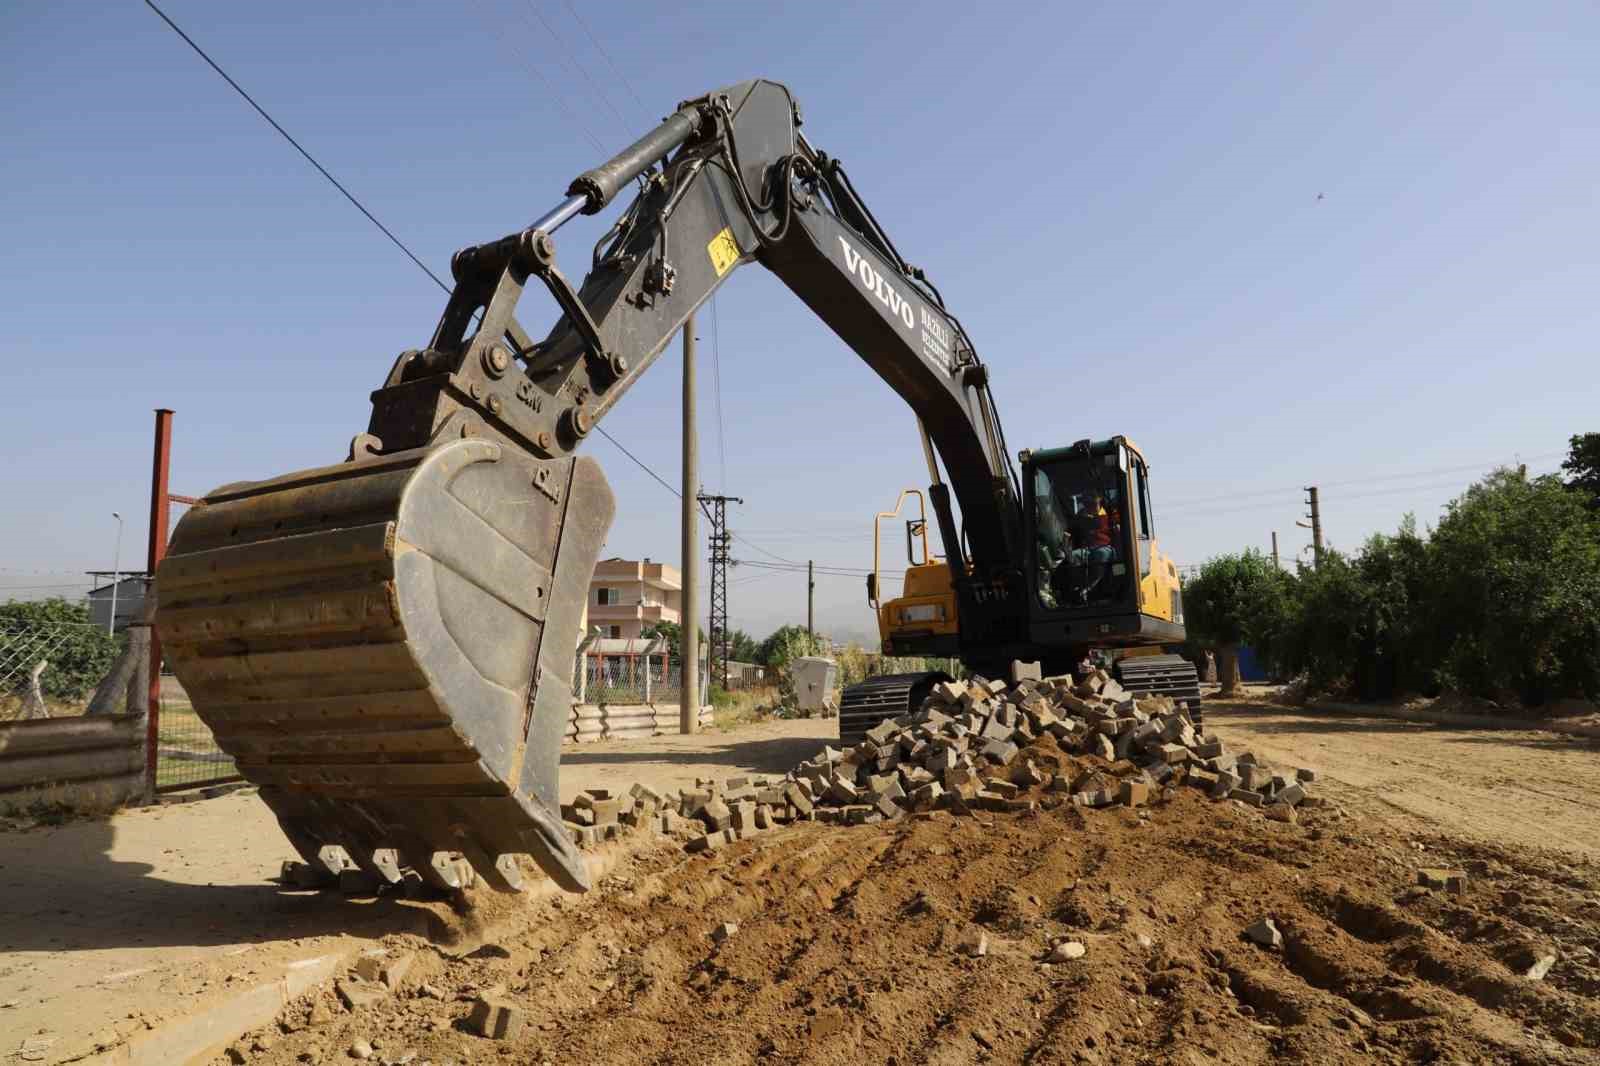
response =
{"points": [[386, 647]]}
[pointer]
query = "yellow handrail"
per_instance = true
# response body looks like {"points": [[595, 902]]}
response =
{"points": [[922, 509]]}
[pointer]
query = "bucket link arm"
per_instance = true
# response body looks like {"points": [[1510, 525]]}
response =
{"points": [[736, 183]]}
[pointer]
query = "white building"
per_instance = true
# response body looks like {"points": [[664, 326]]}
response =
{"points": [[130, 599]]}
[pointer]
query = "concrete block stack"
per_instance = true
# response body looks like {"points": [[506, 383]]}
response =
{"points": [[973, 745]]}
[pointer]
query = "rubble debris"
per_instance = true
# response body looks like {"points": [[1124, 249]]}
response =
{"points": [[723, 932], [974, 943], [358, 994], [1265, 932], [496, 1019], [1066, 951], [1540, 968], [361, 1048], [972, 746], [1449, 880]]}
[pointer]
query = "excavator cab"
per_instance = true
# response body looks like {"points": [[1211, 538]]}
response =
{"points": [[1095, 575]]}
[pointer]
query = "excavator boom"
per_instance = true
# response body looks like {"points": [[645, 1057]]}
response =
{"points": [[386, 645]]}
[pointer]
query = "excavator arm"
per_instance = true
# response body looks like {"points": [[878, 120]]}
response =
{"points": [[386, 645], [726, 180]]}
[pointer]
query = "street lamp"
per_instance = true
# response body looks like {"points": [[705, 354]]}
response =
{"points": [[116, 577]]}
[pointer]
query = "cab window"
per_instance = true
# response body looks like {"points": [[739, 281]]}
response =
{"points": [[1080, 535]]}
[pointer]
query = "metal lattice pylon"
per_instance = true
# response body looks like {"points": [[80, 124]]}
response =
{"points": [[716, 511]]}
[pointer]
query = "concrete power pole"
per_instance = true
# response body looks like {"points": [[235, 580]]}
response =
{"points": [[811, 591], [1316, 524], [1276, 565], [689, 655]]}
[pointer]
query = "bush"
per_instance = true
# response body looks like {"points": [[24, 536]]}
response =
{"points": [[80, 652]]}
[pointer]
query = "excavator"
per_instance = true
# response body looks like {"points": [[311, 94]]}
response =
{"points": [[385, 645]]}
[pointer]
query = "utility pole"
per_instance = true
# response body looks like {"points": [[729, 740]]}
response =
{"points": [[811, 590], [716, 509], [160, 515], [1275, 564], [1316, 524], [689, 655], [116, 576]]}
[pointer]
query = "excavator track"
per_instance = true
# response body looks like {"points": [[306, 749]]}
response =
{"points": [[864, 705], [1163, 675], [386, 647]]}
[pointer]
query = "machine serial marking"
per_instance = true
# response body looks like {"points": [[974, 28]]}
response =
{"points": [[935, 334]]}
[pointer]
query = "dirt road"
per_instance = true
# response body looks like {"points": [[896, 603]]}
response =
{"points": [[1525, 787]]}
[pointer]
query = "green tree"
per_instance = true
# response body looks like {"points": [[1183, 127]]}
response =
{"points": [[1515, 571], [1237, 599], [672, 631], [1361, 623], [1582, 466], [787, 643], [80, 652], [742, 647]]}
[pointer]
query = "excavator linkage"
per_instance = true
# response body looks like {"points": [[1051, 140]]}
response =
{"points": [[386, 647]]}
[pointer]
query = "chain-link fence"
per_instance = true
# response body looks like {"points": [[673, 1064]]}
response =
{"points": [[187, 755], [48, 669], [630, 679], [61, 669]]}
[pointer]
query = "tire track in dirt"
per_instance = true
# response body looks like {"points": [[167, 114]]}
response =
{"points": [[846, 951]]}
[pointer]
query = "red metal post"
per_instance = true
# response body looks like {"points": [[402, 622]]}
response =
{"points": [[160, 513]]}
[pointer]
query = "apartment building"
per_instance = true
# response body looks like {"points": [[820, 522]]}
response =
{"points": [[626, 595]]}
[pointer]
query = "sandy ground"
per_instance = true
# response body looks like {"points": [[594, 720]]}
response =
{"points": [[1507, 787], [111, 925]]}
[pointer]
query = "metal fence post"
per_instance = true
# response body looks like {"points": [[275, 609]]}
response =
{"points": [[160, 514]]}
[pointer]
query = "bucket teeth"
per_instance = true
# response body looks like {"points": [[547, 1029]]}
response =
{"points": [[442, 870], [509, 874], [386, 648], [387, 862]]}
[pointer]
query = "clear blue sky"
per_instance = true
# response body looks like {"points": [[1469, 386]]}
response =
{"points": [[1121, 201]]}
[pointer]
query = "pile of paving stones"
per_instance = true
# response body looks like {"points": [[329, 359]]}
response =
{"points": [[968, 748]]}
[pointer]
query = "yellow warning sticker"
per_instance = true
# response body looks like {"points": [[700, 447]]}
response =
{"points": [[724, 251]]}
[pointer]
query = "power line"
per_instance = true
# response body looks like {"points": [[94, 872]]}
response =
{"points": [[348, 195], [716, 380], [571, 60], [749, 543], [753, 578], [801, 568], [598, 47], [639, 462], [539, 76], [1225, 508], [1171, 505]]}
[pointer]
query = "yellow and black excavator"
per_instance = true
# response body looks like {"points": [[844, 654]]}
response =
{"points": [[386, 645], [1097, 585]]}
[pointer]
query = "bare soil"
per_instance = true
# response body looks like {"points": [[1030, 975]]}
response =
{"points": [[846, 949]]}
